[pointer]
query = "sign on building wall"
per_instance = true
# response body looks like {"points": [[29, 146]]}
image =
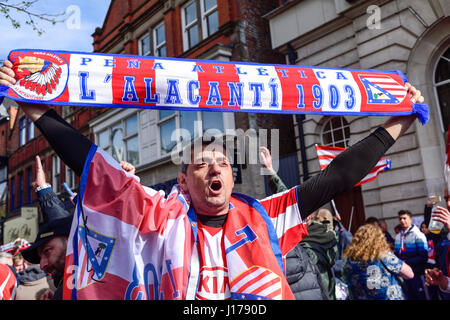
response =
{"points": [[24, 226]]}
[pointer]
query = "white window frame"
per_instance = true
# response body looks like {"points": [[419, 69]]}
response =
{"points": [[22, 131], [70, 178], [227, 123], [149, 45], [200, 21], [435, 85], [56, 174], [342, 127], [107, 124], [187, 27], [30, 129], [157, 46]]}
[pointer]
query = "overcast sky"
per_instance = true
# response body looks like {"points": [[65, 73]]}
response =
{"points": [[73, 35]]}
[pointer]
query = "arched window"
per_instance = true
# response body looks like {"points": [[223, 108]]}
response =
{"points": [[442, 87], [336, 132]]}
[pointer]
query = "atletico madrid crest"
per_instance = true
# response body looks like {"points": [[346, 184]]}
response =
{"points": [[382, 89], [97, 249]]}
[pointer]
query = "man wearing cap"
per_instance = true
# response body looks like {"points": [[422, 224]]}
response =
{"points": [[49, 248]]}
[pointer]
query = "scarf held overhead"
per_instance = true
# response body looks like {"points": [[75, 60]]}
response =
{"points": [[111, 80]]}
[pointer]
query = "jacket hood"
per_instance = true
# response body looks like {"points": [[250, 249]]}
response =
{"points": [[319, 233], [31, 274]]}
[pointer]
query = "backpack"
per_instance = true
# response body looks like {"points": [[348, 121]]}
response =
{"points": [[303, 276]]}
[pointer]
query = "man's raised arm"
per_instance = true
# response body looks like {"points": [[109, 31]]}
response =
{"points": [[349, 167], [70, 145]]}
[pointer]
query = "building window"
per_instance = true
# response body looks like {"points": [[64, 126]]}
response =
{"points": [[192, 122], [442, 87], [154, 45], [121, 140], [200, 20], [22, 131], [144, 45], [159, 41], [210, 17], [70, 178], [30, 130], [336, 132], [13, 193], [56, 174], [29, 185]]}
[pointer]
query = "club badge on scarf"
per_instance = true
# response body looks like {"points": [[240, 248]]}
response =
{"points": [[108, 80]]}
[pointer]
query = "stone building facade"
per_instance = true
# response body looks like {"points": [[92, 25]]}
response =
{"points": [[410, 36]]}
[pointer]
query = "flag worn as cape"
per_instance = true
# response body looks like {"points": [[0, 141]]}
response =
{"points": [[129, 241], [112, 80], [326, 154]]}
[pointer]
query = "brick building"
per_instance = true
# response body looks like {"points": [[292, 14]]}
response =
{"points": [[196, 29]]}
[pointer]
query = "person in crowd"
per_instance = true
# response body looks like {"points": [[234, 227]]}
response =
{"points": [[206, 180], [321, 246], [344, 238], [411, 246], [302, 273], [431, 240], [373, 220], [397, 229], [8, 277], [370, 269], [382, 224], [436, 276], [431, 292], [390, 240], [35, 284]]}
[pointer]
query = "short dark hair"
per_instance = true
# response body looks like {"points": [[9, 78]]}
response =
{"points": [[403, 212], [372, 220]]}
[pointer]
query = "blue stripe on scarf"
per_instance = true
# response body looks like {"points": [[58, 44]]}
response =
{"points": [[255, 204], [83, 183]]}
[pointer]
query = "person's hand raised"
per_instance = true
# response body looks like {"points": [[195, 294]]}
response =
{"points": [[40, 174]]}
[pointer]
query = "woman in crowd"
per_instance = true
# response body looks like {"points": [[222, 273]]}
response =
{"points": [[371, 270]]}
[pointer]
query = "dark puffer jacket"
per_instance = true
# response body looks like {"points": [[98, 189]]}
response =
{"points": [[303, 276], [321, 246]]}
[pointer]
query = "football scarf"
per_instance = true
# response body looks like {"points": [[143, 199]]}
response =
{"points": [[128, 241], [125, 81]]}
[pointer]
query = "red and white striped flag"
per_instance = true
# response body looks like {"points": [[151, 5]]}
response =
{"points": [[326, 154]]}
